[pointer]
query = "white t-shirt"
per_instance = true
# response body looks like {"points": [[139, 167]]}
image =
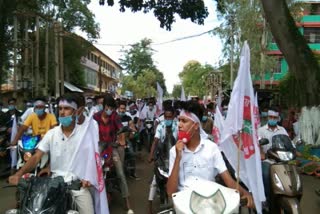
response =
{"points": [[61, 149], [266, 132], [205, 162]]}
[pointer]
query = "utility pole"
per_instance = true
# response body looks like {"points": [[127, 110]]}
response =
{"points": [[56, 58], [61, 59], [231, 52], [37, 74], [26, 54], [100, 75], [46, 67], [15, 44]]}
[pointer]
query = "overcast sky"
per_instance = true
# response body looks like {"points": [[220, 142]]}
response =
{"points": [[128, 28]]}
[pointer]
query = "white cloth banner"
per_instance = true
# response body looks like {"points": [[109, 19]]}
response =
{"points": [[13, 151], [240, 117], [218, 126], [159, 99], [182, 96], [92, 170]]}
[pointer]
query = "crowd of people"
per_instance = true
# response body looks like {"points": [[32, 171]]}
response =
{"points": [[183, 127]]}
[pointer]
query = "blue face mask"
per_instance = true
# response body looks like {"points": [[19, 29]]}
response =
{"points": [[168, 122], [121, 114], [204, 118], [39, 112], [11, 107], [272, 122], [109, 112], [66, 121], [264, 114], [99, 107]]}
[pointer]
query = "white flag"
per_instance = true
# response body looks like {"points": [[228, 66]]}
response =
{"points": [[159, 99], [218, 126], [182, 96], [240, 117], [91, 171], [13, 151]]}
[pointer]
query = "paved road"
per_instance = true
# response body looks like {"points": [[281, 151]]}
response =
{"points": [[139, 193]]}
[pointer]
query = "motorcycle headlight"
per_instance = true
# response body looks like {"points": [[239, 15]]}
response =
{"points": [[27, 156], [149, 126], [13, 211], [278, 182], [285, 156]]}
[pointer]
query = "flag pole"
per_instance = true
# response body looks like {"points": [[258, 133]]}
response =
{"points": [[238, 156]]}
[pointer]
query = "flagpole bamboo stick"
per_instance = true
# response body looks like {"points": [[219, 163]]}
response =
{"points": [[238, 164]]}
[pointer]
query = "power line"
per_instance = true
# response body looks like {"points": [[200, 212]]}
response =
{"points": [[160, 43]]}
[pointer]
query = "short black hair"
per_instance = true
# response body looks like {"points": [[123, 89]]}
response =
{"points": [[108, 100], [169, 108], [122, 102], [40, 99], [80, 98], [193, 107]]}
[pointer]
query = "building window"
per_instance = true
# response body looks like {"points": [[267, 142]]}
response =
{"points": [[315, 9], [277, 68], [312, 34]]}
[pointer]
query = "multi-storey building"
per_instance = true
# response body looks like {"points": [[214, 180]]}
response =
{"points": [[309, 26], [102, 74]]}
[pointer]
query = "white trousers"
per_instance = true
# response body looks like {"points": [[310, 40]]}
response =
{"points": [[153, 189], [83, 200], [13, 155]]}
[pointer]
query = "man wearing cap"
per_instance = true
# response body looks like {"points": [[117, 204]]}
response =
{"points": [[196, 157], [268, 131], [40, 121], [62, 142]]}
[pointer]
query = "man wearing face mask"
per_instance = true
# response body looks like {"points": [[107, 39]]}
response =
{"points": [[268, 131], [207, 122], [62, 143], [109, 123], [195, 157], [40, 121], [167, 129]]}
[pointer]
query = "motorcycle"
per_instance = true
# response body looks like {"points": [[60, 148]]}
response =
{"points": [[5, 167], [26, 148], [161, 169], [149, 133], [109, 172], [285, 181], [206, 197], [45, 195]]}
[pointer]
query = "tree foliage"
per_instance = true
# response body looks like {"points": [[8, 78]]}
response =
{"points": [[138, 63], [302, 62], [176, 91], [194, 78], [165, 10]]}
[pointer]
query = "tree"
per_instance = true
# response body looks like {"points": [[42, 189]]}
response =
{"points": [[302, 62], [136, 61], [193, 78], [176, 92], [74, 14], [164, 10], [242, 21]]}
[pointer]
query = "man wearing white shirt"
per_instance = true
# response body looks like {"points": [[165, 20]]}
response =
{"points": [[268, 131], [194, 156]]}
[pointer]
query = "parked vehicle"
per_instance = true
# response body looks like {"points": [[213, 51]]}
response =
{"points": [[45, 195], [285, 181]]}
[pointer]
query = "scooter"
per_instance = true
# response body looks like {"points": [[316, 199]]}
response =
{"points": [[45, 195], [206, 197], [285, 181]]}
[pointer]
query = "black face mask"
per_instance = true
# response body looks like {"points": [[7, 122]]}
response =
{"points": [[133, 112]]}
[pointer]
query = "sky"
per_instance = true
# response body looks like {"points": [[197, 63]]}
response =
{"points": [[118, 29]]}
